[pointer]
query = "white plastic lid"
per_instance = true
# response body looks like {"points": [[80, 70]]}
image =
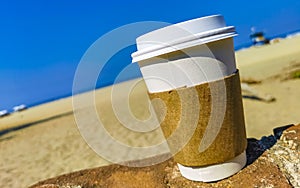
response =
{"points": [[182, 35]]}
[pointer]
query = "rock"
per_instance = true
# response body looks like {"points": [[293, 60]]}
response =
{"points": [[270, 164], [286, 154]]}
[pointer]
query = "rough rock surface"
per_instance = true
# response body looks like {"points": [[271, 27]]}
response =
{"points": [[286, 154], [270, 163]]}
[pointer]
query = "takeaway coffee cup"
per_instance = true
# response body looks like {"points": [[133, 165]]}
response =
{"points": [[191, 67]]}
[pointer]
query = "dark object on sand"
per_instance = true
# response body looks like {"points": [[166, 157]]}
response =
{"points": [[259, 39]]}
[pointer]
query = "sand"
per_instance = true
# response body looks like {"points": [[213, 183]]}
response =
{"points": [[49, 142], [273, 65]]}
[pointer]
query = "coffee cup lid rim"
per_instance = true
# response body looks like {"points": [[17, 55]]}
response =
{"points": [[191, 36]]}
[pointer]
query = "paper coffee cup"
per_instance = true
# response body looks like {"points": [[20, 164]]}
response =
{"points": [[186, 55]]}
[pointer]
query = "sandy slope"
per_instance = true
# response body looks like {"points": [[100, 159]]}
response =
{"points": [[273, 65], [52, 144]]}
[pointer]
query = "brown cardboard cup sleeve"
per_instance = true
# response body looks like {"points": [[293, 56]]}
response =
{"points": [[208, 120]]}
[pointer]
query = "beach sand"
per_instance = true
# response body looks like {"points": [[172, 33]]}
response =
{"points": [[49, 143]]}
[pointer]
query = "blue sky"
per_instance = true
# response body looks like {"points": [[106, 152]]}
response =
{"points": [[42, 42]]}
